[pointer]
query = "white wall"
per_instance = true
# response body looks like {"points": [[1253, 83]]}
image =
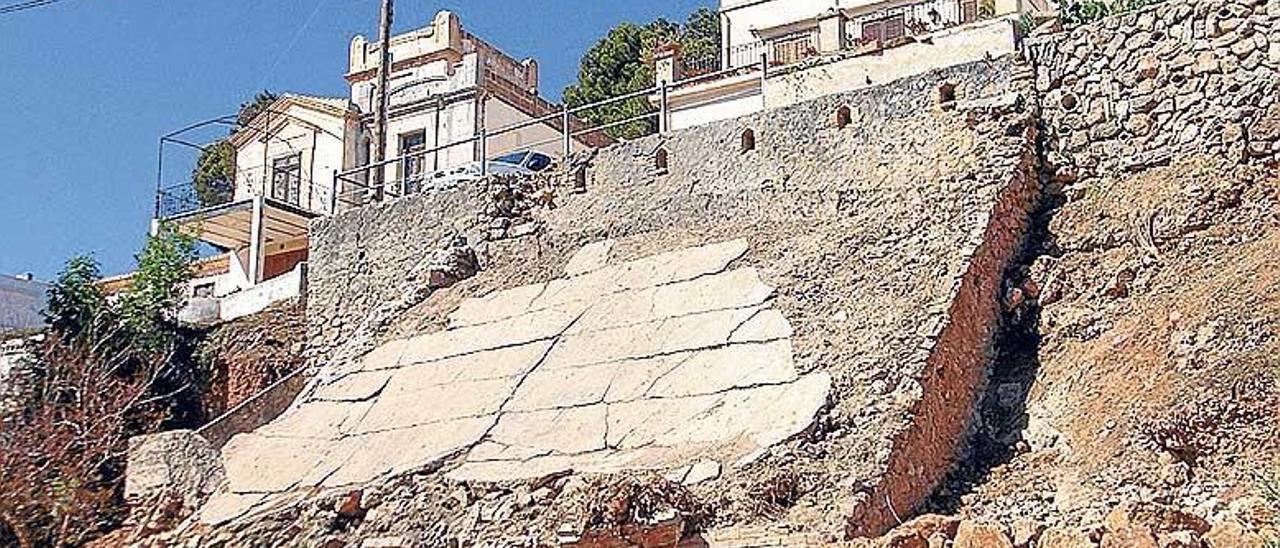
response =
{"points": [[742, 99], [499, 114], [741, 17], [317, 136], [21, 303], [259, 297], [995, 37]]}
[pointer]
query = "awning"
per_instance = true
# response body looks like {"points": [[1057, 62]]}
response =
{"points": [[230, 225]]}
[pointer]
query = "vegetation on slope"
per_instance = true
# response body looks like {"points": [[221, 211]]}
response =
{"points": [[107, 370]]}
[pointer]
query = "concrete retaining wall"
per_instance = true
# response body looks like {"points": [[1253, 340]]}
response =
{"points": [[255, 411]]}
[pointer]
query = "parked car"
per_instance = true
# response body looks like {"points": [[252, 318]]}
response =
{"points": [[524, 162]]}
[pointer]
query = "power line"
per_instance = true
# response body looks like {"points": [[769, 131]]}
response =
{"points": [[23, 6]]}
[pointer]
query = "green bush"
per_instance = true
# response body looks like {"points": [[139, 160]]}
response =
{"points": [[1079, 12]]}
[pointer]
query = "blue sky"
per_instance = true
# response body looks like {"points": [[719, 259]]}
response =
{"points": [[88, 86]]}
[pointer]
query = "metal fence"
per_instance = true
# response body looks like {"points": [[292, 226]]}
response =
{"points": [[777, 52], [187, 197], [390, 178]]}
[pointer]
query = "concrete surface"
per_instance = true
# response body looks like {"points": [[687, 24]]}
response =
{"points": [[661, 362]]}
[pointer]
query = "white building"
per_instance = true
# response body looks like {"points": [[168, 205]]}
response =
{"points": [[788, 51], [446, 86], [306, 157], [22, 303]]}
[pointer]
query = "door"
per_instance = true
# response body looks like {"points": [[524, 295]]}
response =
{"points": [[412, 166]]}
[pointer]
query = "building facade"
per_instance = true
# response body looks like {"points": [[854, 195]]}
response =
{"points": [[305, 157], [22, 303], [780, 52], [447, 86]]}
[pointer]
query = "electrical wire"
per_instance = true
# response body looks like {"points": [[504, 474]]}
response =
{"points": [[23, 6]]}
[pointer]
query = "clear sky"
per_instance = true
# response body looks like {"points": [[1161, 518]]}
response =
{"points": [[88, 86]]}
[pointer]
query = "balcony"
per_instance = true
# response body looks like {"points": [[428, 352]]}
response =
{"points": [[780, 51]]}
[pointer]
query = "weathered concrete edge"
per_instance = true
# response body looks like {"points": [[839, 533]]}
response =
{"points": [[959, 362], [255, 411]]}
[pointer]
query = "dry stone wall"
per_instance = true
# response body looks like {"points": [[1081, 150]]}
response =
{"points": [[1178, 77]]}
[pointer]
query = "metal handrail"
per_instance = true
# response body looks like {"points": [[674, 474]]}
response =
{"points": [[566, 131]]}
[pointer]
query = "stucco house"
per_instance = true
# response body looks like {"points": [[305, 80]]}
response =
{"points": [[858, 43], [446, 87], [305, 157]]}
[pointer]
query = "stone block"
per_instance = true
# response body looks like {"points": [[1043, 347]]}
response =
{"points": [[179, 462]]}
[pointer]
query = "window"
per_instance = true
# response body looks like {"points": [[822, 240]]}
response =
{"points": [[872, 32], [748, 140], [894, 27], [203, 290], [412, 167], [514, 158], [286, 179], [537, 162], [946, 95]]}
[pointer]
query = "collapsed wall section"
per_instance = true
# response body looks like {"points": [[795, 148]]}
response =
{"points": [[883, 219]]}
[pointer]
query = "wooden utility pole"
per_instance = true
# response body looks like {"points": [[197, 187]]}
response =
{"points": [[384, 70]]}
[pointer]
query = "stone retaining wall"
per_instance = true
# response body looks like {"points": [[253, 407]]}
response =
{"points": [[1178, 77], [885, 217]]}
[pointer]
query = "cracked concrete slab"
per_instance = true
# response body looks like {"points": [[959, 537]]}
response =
{"points": [[592, 256], [658, 362]]}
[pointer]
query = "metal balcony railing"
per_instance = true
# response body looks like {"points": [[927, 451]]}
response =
{"points": [[361, 184], [187, 197], [778, 52]]}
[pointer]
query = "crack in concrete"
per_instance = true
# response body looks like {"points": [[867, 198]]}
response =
{"points": [[693, 350], [469, 353], [529, 308], [516, 389], [729, 339]]}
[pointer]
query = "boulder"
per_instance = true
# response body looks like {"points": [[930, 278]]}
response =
{"points": [[179, 463], [1231, 533], [1065, 538]]}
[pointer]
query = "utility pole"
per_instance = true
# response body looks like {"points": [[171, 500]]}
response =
{"points": [[384, 70]]}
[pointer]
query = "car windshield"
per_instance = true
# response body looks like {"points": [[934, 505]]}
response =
{"points": [[514, 158], [538, 162]]}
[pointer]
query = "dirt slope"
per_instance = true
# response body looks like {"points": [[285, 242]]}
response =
{"points": [[1154, 356]]}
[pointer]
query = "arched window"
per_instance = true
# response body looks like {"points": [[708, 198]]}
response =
{"points": [[660, 161], [748, 140], [844, 117]]}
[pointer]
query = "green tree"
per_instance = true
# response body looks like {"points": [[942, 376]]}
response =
{"points": [[250, 109], [622, 63], [215, 172], [700, 39], [148, 307], [75, 298]]}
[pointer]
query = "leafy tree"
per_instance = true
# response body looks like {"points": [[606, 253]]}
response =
{"points": [[108, 372], [252, 108], [700, 39], [215, 172], [164, 268], [622, 63], [75, 298]]}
